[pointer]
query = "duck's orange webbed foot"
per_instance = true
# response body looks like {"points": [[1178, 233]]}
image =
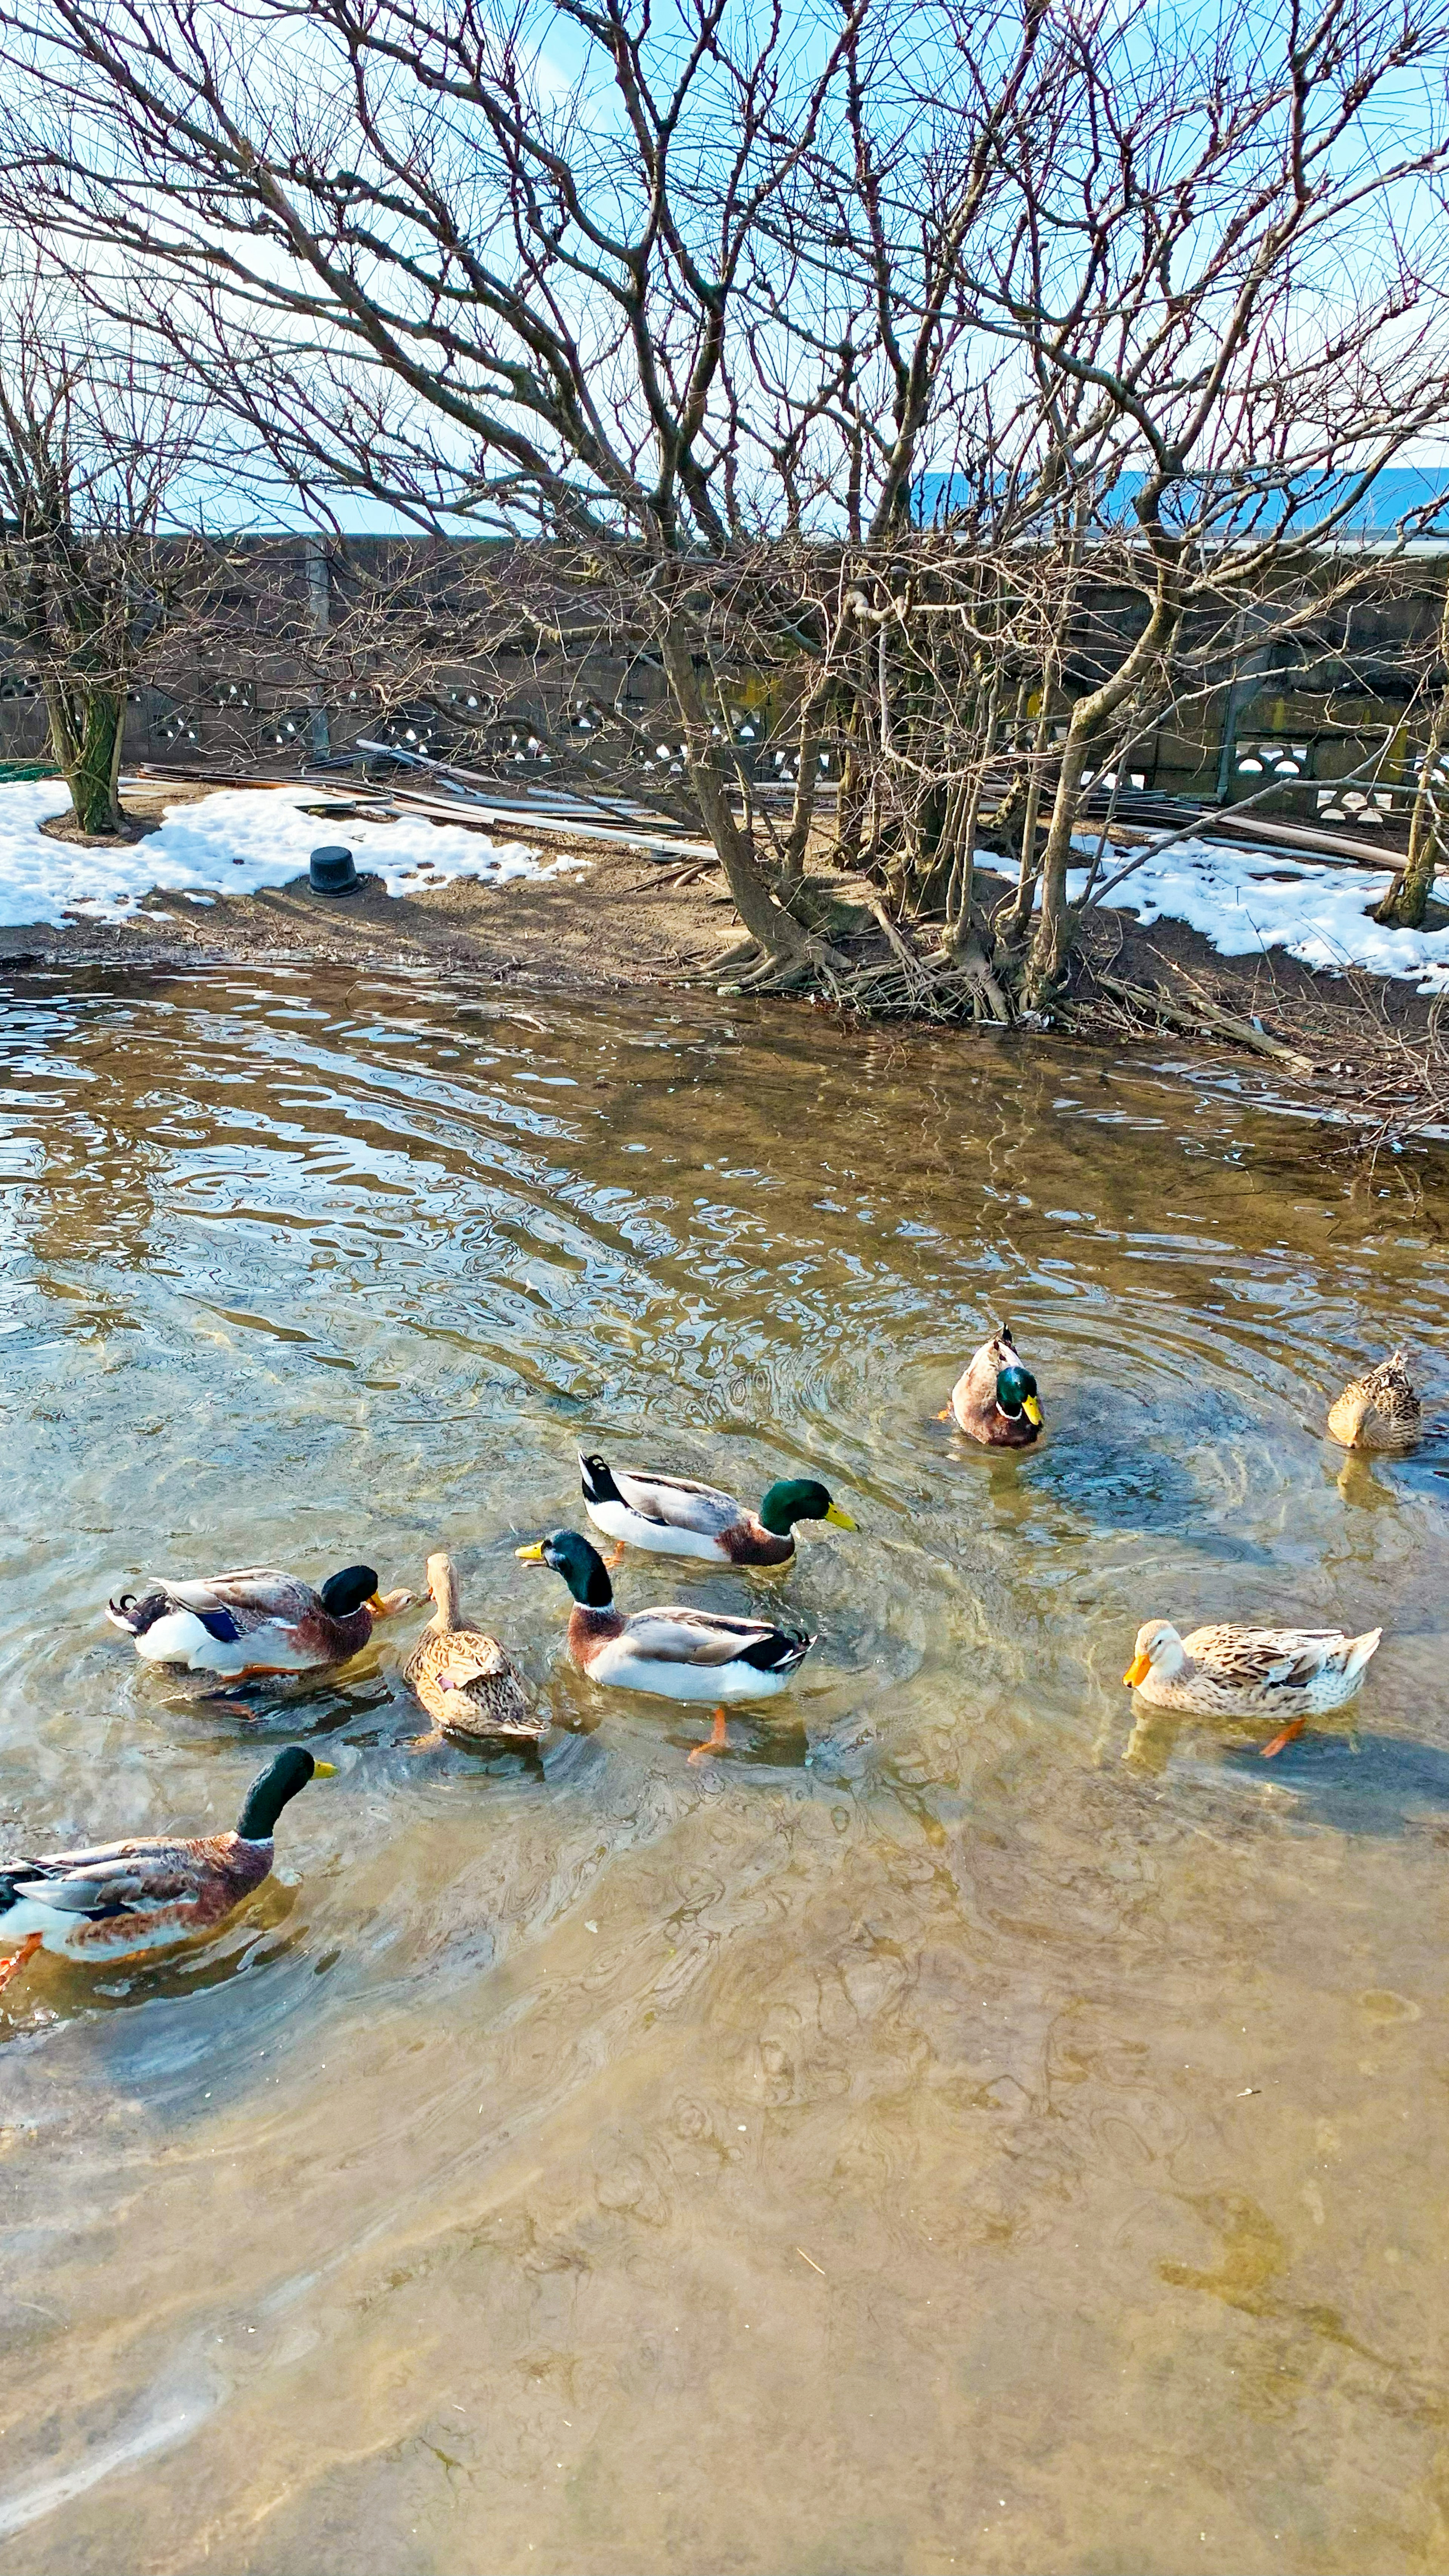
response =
{"points": [[718, 1739], [616, 1555], [12, 1966], [1286, 1737]]}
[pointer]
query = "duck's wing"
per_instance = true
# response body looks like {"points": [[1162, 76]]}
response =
{"points": [[1392, 1390], [976, 1384], [254, 1597], [228, 1606], [679, 1635], [1271, 1658], [115, 1878], [466, 1655], [676, 1502]]}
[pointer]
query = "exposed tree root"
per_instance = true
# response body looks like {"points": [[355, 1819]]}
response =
{"points": [[1198, 1015], [738, 955]]}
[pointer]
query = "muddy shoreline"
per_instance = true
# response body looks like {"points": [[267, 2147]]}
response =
{"points": [[1367, 1047]]}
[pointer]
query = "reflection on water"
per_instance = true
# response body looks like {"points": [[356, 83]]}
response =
{"points": [[920, 2138]]}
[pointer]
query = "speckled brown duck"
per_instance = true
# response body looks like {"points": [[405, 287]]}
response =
{"points": [[1380, 1410], [466, 1681]]}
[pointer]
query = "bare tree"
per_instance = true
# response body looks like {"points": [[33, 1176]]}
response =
{"points": [[1188, 314], [91, 449], [697, 296], [430, 266], [1220, 285]]}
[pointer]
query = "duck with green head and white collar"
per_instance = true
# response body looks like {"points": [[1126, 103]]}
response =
{"points": [[994, 1400], [670, 1516], [673, 1652]]}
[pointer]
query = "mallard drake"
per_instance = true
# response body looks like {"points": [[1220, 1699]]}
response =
{"points": [[670, 1516], [144, 1895], [256, 1621], [1296, 1673], [1379, 1410], [994, 1400], [464, 1678], [673, 1653]]}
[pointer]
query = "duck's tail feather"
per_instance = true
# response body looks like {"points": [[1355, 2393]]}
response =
{"points": [[135, 1617], [780, 1652], [598, 1482], [1360, 1651]]}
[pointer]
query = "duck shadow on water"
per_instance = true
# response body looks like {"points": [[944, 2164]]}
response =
{"points": [[1115, 1476], [1359, 1784], [1363, 1784], [310, 1704]]}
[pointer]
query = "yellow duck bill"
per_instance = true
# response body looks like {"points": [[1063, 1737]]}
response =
{"points": [[1137, 1671]]}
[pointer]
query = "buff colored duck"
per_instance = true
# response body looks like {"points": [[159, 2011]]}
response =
{"points": [[994, 1400], [675, 1652], [255, 1621], [1292, 1673], [466, 1681], [125, 1898], [1379, 1410], [670, 1516]]}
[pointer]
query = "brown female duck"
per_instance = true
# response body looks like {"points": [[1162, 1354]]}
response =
{"points": [[464, 1678], [1379, 1410]]}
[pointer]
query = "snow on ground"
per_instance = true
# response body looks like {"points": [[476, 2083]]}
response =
{"points": [[1243, 899], [231, 842], [1246, 899]]}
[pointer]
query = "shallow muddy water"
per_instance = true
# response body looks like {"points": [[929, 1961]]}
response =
{"points": [[954, 2128]]}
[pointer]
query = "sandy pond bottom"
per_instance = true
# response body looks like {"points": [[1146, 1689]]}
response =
{"points": [[951, 2130]]}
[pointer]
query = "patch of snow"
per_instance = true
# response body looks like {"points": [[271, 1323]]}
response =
{"points": [[1246, 899], [233, 841]]}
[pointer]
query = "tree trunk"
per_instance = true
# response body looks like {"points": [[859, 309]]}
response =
{"points": [[850, 802], [86, 740], [1049, 950], [1020, 922], [1407, 900], [1404, 905], [758, 911], [1088, 723], [810, 734]]}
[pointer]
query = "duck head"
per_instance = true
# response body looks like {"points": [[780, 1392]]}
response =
{"points": [[568, 1553], [346, 1591], [289, 1771], [1158, 1650], [1016, 1394], [799, 1498]]}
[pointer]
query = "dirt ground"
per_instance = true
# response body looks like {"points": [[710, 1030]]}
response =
{"points": [[614, 927], [627, 922]]}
